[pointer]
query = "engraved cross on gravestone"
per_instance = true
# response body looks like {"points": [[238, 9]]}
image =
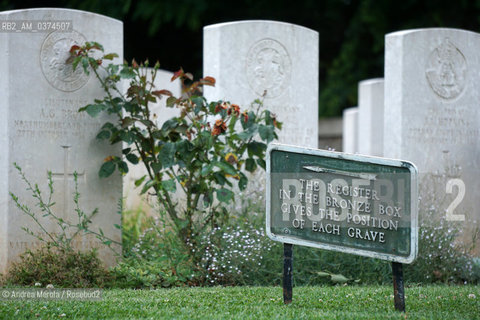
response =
{"points": [[66, 176]]}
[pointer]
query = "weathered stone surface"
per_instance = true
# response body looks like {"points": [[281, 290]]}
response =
{"points": [[330, 133], [42, 131], [269, 60], [370, 117], [433, 118], [350, 130]]}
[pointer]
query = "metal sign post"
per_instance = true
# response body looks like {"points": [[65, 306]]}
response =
{"points": [[398, 290], [287, 273]]}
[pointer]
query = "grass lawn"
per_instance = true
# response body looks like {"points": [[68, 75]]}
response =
{"points": [[339, 302]]}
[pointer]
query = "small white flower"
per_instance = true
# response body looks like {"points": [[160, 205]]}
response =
{"points": [[49, 286], [472, 296], [62, 315], [38, 284]]}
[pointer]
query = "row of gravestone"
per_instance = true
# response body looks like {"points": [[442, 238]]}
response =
{"points": [[426, 110], [42, 131], [430, 116]]}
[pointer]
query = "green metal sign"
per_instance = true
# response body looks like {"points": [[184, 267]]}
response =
{"points": [[349, 203]]}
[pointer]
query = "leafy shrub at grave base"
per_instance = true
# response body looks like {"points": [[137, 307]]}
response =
{"points": [[441, 257], [158, 259], [57, 262], [236, 254], [62, 268], [134, 223], [240, 254], [140, 273]]}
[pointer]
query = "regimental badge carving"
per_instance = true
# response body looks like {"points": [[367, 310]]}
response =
{"points": [[268, 68], [53, 60], [446, 70]]}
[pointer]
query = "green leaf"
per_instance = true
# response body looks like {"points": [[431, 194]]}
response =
{"points": [[250, 165], [127, 73], [171, 101], [338, 278], [252, 119], [256, 149], [219, 178], [104, 134], [132, 158], [75, 62], [224, 195], [323, 274], [242, 183], [247, 134], [131, 107], [106, 169], [127, 136], [198, 101], [170, 124], [147, 186], [85, 65], [147, 123], [167, 155], [94, 109], [95, 45], [140, 181], [267, 133], [226, 167], [113, 69], [206, 170], [110, 56], [122, 167], [169, 185], [107, 125], [268, 118], [156, 167], [261, 163], [231, 125], [184, 149]]}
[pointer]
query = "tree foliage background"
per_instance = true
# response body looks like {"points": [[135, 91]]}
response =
{"points": [[351, 31]]}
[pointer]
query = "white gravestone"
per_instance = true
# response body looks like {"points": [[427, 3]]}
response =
{"points": [[370, 117], [251, 58], [160, 113], [433, 119], [350, 130], [330, 133], [42, 130]]}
